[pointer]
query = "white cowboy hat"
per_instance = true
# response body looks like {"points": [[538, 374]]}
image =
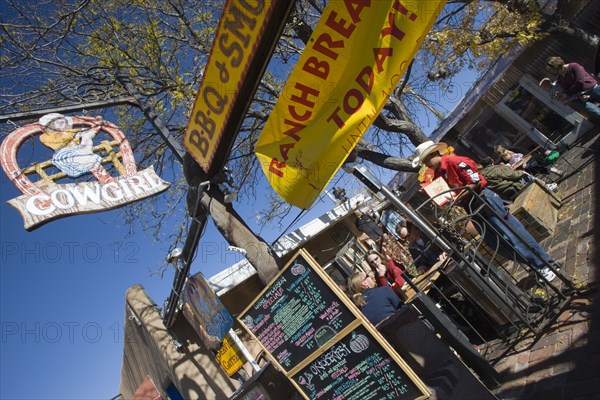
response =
{"points": [[425, 149], [45, 120]]}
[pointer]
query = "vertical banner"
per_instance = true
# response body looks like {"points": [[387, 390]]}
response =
{"points": [[205, 312], [352, 63], [243, 44]]}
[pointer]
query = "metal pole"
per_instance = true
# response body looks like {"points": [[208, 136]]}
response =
{"points": [[244, 350], [423, 303], [189, 248], [66, 109], [148, 111]]}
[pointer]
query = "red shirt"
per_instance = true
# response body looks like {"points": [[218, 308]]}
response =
{"points": [[575, 79], [393, 277], [459, 171]]}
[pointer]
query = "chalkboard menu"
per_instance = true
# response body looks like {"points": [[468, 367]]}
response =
{"points": [[312, 331], [356, 367], [297, 314]]}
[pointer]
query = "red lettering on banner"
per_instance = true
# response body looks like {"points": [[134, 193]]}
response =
{"points": [[366, 79], [284, 149], [350, 94], [325, 43], [334, 116], [393, 29], [313, 66], [295, 127], [297, 116], [354, 98], [339, 25], [276, 167], [355, 7], [301, 100], [305, 92], [380, 56], [304, 98], [400, 8]]}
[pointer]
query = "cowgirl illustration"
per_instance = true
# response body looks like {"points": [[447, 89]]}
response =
{"points": [[73, 153]]}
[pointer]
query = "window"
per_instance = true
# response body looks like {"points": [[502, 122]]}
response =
{"points": [[537, 114]]}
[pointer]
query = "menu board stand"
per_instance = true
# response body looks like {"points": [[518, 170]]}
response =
{"points": [[321, 341]]}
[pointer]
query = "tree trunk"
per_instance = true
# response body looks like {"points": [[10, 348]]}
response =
{"points": [[229, 223], [365, 151]]}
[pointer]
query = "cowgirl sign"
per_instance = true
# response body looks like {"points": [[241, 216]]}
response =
{"points": [[74, 158]]}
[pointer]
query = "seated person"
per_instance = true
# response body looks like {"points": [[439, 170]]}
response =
{"points": [[388, 272], [504, 180], [376, 303], [367, 225], [533, 166], [575, 85], [424, 252], [443, 373], [392, 249]]}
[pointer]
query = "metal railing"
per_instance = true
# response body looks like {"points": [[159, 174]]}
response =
{"points": [[490, 296]]}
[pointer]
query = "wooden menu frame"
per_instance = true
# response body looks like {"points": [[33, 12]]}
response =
{"points": [[321, 341]]}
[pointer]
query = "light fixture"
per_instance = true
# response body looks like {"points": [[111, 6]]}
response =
{"points": [[174, 256], [340, 193], [229, 196]]}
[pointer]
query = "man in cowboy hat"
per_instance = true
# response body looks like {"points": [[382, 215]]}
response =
{"points": [[462, 171]]}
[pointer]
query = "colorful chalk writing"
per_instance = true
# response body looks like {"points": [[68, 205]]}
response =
{"points": [[356, 368], [297, 314]]}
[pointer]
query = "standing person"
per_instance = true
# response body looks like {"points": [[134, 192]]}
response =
{"points": [[388, 272], [420, 246], [462, 171], [575, 85], [392, 249], [366, 224]]}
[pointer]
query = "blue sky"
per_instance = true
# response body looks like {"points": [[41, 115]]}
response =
{"points": [[62, 290], [62, 302]]}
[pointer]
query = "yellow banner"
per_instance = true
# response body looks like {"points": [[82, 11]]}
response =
{"points": [[240, 28], [355, 58]]}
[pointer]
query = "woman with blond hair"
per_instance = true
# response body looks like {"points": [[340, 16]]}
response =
{"points": [[417, 343], [532, 166], [376, 303]]}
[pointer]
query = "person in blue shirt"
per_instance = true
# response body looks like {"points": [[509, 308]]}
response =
{"points": [[418, 344], [376, 303]]}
